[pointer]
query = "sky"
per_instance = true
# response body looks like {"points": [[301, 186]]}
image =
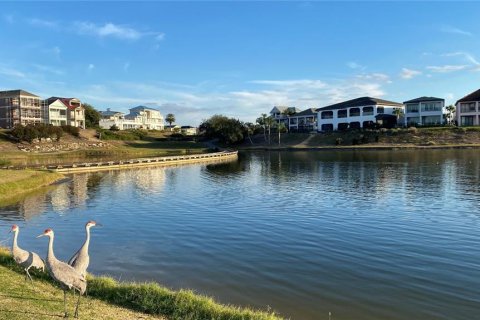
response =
{"points": [[196, 59]]}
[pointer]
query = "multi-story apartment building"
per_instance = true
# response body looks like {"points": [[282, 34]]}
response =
{"points": [[56, 112], [468, 110], [20, 107], [75, 110], [358, 113], [424, 111], [281, 114], [140, 117], [305, 120]]}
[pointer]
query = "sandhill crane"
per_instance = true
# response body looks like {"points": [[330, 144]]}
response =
{"points": [[81, 259], [26, 259], [64, 274]]}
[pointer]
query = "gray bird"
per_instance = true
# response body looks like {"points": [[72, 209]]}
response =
{"points": [[26, 259], [64, 274], [81, 259]]}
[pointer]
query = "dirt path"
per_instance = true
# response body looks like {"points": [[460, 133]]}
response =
{"points": [[304, 143]]}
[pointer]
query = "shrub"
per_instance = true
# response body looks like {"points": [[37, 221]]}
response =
{"points": [[74, 131], [338, 141], [364, 139], [114, 128], [412, 129]]}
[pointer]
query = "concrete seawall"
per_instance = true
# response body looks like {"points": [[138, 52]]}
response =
{"points": [[143, 162]]}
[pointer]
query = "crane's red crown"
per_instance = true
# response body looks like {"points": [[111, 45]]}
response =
{"points": [[47, 231], [14, 227]]}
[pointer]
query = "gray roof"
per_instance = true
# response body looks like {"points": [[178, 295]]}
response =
{"points": [[474, 96], [142, 108], [424, 99], [282, 109], [18, 92], [306, 112], [110, 113], [359, 102]]}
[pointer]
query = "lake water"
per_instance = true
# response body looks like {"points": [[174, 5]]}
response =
{"points": [[364, 235]]}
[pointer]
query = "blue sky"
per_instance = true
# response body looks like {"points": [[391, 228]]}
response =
{"points": [[195, 59]]}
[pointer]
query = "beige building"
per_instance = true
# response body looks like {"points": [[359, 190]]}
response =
{"points": [[20, 107]]}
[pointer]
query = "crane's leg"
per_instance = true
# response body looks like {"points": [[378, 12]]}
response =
{"points": [[65, 315], [29, 276], [78, 304]]}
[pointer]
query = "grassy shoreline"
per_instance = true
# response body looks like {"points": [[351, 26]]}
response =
{"points": [[106, 294], [14, 183]]}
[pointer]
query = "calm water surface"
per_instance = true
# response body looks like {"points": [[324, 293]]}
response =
{"points": [[364, 235]]}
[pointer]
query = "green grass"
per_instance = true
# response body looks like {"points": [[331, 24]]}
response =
{"points": [[15, 182], [148, 298]]}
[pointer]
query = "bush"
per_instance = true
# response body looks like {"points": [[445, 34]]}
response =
{"points": [[114, 128], [338, 141], [74, 131], [412, 130]]}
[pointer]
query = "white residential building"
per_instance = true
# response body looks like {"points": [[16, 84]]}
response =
{"points": [[75, 110], [139, 118], [278, 113], [357, 113], [468, 110], [57, 113], [305, 120], [424, 111]]}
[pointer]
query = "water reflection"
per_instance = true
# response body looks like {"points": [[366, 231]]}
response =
{"points": [[365, 235]]}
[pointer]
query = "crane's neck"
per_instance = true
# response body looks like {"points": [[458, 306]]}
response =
{"points": [[50, 254], [87, 239], [14, 244]]}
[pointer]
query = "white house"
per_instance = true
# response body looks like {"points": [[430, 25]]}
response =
{"points": [[468, 110], [75, 110], [139, 118], [357, 113], [424, 111], [56, 113], [305, 120], [189, 130], [278, 113]]}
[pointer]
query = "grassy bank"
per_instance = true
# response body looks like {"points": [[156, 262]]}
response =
{"points": [[435, 137], [104, 294], [14, 183]]}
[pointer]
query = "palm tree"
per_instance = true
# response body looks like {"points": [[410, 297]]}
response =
{"points": [[262, 122], [170, 119], [288, 112], [280, 127], [398, 112], [269, 122], [450, 111]]}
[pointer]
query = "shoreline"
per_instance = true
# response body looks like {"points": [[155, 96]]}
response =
{"points": [[133, 300], [362, 147]]}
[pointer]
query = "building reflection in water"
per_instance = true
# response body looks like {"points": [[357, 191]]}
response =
{"points": [[82, 188]]}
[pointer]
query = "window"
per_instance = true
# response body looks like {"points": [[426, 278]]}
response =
{"points": [[354, 112], [355, 125], [429, 120], [368, 124], [467, 107], [327, 114], [342, 113], [380, 110], [327, 127], [431, 106], [343, 126], [411, 108], [467, 120], [368, 111]]}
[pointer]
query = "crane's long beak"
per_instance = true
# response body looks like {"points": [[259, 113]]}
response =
{"points": [[98, 225], [41, 235]]}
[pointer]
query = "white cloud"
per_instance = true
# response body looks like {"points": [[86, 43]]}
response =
{"points": [[12, 73], [9, 18], [455, 30], [160, 36], [354, 65], [42, 23], [447, 68], [90, 67], [107, 30], [469, 57], [409, 73], [375, 76], [48, 69], [293, 84]]}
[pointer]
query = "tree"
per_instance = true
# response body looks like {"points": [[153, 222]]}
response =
{"points": [[269, 122], [280, 127], [288, 112], [92, 116], [249, 129], [226, 130], [450, 112], [398, 112], [170, 119], [262, 121]]}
